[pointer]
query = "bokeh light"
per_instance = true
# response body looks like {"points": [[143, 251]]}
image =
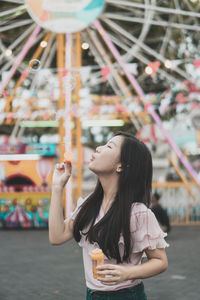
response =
{"points": [[148, 70], [43, 44], [8, 52], [85, 46]]}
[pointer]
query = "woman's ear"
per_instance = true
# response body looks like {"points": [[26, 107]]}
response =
{"points": [[119, 168]]}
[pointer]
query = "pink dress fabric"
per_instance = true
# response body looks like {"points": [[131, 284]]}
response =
{"points": [[145, 234]]}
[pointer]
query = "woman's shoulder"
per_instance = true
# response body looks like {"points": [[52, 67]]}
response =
{"points": [[139, 208], [80, 201]]}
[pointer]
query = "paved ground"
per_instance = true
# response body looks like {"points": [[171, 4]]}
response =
{"points": [[32, 269]]}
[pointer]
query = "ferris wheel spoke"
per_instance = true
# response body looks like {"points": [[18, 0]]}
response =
{"points": [[115, 16], [147, 16], [47, 50], [39, 37], [16, 24], [52, 54], [96, 52], [160, 9], [143, 46], [11, 18], [97, 76], [14, 1], [176, 4], [18, 41], [115, 80], [22, 37], [10, 63], [179, 16], [189, 6], [166, 39], [42, 61], [13, 10], [17, 52], [141, 58]]}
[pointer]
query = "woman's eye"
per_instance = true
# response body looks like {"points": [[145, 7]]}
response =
{"points": [[109, 146]]}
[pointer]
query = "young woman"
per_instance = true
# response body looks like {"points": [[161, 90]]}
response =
{"points": [[114, 218]]}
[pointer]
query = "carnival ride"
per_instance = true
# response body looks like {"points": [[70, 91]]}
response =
{"points": [[120, 51]]}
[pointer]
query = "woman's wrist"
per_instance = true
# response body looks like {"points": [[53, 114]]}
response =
{"points": [[58, 186], [130, 273]]}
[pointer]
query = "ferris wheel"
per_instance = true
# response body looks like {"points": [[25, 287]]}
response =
{"points": [[144, 31], [157, 39]]}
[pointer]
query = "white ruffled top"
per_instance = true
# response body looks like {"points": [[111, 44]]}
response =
{"points": [[145, 234]]}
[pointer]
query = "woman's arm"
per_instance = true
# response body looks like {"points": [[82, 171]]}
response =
{"points": [[60, 230], [157, 263]]}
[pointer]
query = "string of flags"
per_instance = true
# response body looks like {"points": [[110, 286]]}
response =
{"points": [[85, 72], [186, 99]]}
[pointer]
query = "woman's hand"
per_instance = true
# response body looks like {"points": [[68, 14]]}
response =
{"points": [[116, 274], [61, 174]]}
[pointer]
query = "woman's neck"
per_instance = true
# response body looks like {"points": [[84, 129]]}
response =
{"points": [[110, 187]]}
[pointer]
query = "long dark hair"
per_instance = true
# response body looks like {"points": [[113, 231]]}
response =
{"points": [[135, 184]]}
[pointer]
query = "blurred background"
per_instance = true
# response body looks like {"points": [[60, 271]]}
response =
{"points": [[72, 76], [72, 73]]}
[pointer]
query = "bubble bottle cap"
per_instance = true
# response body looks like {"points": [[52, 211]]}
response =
{"points": [[97, 253]]}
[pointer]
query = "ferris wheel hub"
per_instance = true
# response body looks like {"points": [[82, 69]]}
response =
{"points": [[64, 16]]}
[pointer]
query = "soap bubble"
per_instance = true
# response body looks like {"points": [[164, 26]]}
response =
{"points": [[34, 65]]}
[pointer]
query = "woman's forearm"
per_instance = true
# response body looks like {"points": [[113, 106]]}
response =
{"points": [[56, 219], [150, 268]]}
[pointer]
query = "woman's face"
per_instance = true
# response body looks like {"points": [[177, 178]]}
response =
{"points": [[106, 159]]}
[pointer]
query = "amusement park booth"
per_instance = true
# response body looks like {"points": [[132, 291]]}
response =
{"points": [[25, 181]]}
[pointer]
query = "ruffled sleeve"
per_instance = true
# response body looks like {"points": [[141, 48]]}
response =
{"points": [[76, 211], [145, 230]]}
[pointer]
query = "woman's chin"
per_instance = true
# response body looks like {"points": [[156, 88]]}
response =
{"points": [[91, 167]]}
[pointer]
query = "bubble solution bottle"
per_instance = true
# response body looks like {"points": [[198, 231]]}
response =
{"points": [[97, 257]]}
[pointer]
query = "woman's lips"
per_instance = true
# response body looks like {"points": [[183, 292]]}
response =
{"points": [[92, 157]]}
